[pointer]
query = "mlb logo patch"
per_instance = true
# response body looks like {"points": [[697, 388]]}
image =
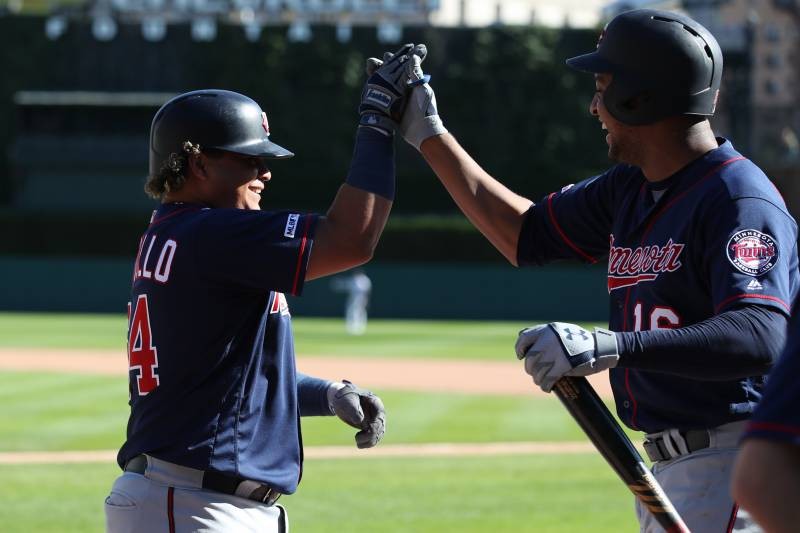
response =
{"points": [[291, 225], [752, 252]]}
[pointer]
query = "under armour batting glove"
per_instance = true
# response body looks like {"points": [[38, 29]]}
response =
{"points": [[552, 351], [361, 409], [384, 97], [421, 118]]}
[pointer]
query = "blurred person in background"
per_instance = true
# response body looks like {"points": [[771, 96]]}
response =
{"points": [[357, 286]]}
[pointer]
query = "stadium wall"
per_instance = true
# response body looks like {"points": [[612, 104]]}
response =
{"points": [[400, 290]]}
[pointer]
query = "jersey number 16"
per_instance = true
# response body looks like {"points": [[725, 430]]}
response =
{"points": [[660, 317]]}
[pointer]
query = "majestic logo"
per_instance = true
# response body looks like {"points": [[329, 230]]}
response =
{"points": [[754, 285], [291, 225], [631, 266], [752, 252], [379, 97], [265, 123]]}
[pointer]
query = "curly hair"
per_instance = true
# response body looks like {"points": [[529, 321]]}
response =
{"points": [[171, 176]]}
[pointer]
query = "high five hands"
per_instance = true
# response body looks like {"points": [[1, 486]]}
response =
{"points": [[397, 93]]}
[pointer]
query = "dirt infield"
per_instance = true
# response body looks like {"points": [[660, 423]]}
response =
{"points": [[419, 375]]}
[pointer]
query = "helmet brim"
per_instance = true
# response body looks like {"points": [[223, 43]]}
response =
{"points": [[263, 148], [592, 62]]}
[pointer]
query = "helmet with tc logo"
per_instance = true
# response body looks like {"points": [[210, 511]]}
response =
{"points": [[215, 119], [662, 64]]}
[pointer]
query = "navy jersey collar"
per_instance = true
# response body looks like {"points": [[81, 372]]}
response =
{"points": [[171, 209], [695, 170]]}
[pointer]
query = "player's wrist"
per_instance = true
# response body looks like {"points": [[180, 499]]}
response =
{"points": [[333, 388], [606, 347], [372, 167]]}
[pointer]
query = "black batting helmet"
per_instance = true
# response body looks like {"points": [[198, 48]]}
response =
{"points": [[662, 64], [211, 118]]}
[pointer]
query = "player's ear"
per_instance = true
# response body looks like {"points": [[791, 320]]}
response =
{"points": [[196, 165]]}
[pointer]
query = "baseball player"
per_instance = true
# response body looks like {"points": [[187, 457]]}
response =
{"points": [[357, 286], [701, 252], [766, 480], [214, 436]]}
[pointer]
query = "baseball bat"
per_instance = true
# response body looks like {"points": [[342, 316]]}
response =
{"points": [[593, 417]]}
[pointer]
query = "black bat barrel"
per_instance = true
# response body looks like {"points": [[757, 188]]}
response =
{"points": [[598, 423]]}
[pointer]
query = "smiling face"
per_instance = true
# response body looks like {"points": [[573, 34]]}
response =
{"points": [[622, 140], [234, 180]]}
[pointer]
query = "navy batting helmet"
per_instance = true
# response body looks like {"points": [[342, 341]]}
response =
{"points": [[210, 118], [662, 64]]}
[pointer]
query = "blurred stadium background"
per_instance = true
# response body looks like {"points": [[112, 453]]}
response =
{"points": [[82, 79], [80, 82]]}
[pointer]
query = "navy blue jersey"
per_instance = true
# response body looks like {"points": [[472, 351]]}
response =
{"points": [[212, 369], [777, 416], [713, 236]]}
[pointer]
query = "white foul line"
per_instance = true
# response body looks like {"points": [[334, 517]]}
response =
{"points": [[336, 452]]}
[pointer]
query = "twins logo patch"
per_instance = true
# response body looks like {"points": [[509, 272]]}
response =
{"points": [[752, 252]]}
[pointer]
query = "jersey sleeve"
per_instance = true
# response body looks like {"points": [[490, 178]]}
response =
{"points": [[256, 249], [750, 248], [777, 417], [573, 223]]}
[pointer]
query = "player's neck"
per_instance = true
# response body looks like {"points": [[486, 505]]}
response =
{"points": [[673, 146], [186, 195]]}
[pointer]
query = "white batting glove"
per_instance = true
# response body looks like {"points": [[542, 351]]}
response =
{"points": [[421, 118], [359, 408], [552, 351]]}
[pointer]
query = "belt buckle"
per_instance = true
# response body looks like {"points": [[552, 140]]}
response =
{"points": [[271, 496], [652, 450], [264, 494]]}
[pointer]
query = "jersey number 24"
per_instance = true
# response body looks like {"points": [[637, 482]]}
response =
{"points": [[142, 354]]}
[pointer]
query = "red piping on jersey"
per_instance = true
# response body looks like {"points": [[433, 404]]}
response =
{"points": [[171, 509], [772, 426], [777, 192], [759, 296], [687, 191], [563, 235], [300, 255], [732, 520], [672, 202], [633, 400], [165, 217]]}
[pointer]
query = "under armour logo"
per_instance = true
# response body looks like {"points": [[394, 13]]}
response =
{"points": [[582, 333]]}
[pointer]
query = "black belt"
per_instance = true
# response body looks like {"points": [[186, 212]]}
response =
{"points": [[218, 482], [658, 450]]}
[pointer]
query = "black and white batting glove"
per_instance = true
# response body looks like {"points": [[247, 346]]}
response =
{"points": [[552, 351], [384, 97], [421, 119], [359, 408]]}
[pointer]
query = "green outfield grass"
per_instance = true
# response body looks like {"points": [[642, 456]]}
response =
{"points": [[313, 336], [542, 493], [74, 412], [553, 493]]}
